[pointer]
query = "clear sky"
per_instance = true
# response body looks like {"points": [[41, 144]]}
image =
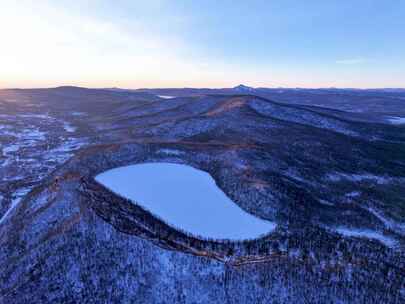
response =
{"points": [[221, 43]]}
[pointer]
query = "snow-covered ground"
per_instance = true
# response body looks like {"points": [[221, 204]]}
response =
{"points": [[368, 234], [31, 146], [171, 152], [68, 127], [186, 198], [338, 176], [397, 120], [17, 198]]}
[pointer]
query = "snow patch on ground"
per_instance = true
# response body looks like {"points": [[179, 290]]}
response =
{"points": [[353, 194], [31, 146], [26, 134], [10, 149], [166, 96], [366, 233], [186, 198], [69, 128], [64, 151], [396, 120], [37, 116], [171, 152], [390, 224], [327, 203], [337, 176], [23, 138], [17, 197], [78, 114], [35, 134]]}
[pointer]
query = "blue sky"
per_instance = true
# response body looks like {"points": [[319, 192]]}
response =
{"points": [[162, 43]]}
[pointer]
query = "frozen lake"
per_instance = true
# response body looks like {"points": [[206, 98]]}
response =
{"points": [[185, 198]]}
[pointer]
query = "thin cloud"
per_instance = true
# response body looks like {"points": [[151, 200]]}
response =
{"points": [[351, 61]]}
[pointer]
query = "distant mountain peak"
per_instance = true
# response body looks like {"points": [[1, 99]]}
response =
{"points": [[242, 87]]}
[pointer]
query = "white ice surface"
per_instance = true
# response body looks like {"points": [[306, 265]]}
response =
{"points": [[185, 198]]}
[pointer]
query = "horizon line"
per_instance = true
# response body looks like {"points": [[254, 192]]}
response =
{"points": [[200, 88]]}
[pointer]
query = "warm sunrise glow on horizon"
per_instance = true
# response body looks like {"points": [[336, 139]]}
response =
{"points": [[136, 44]]}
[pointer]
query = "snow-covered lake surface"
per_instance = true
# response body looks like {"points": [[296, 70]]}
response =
{"points": [[185, 198]]}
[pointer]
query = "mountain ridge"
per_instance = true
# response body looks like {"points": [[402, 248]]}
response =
{"points": [[331, 182]]}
